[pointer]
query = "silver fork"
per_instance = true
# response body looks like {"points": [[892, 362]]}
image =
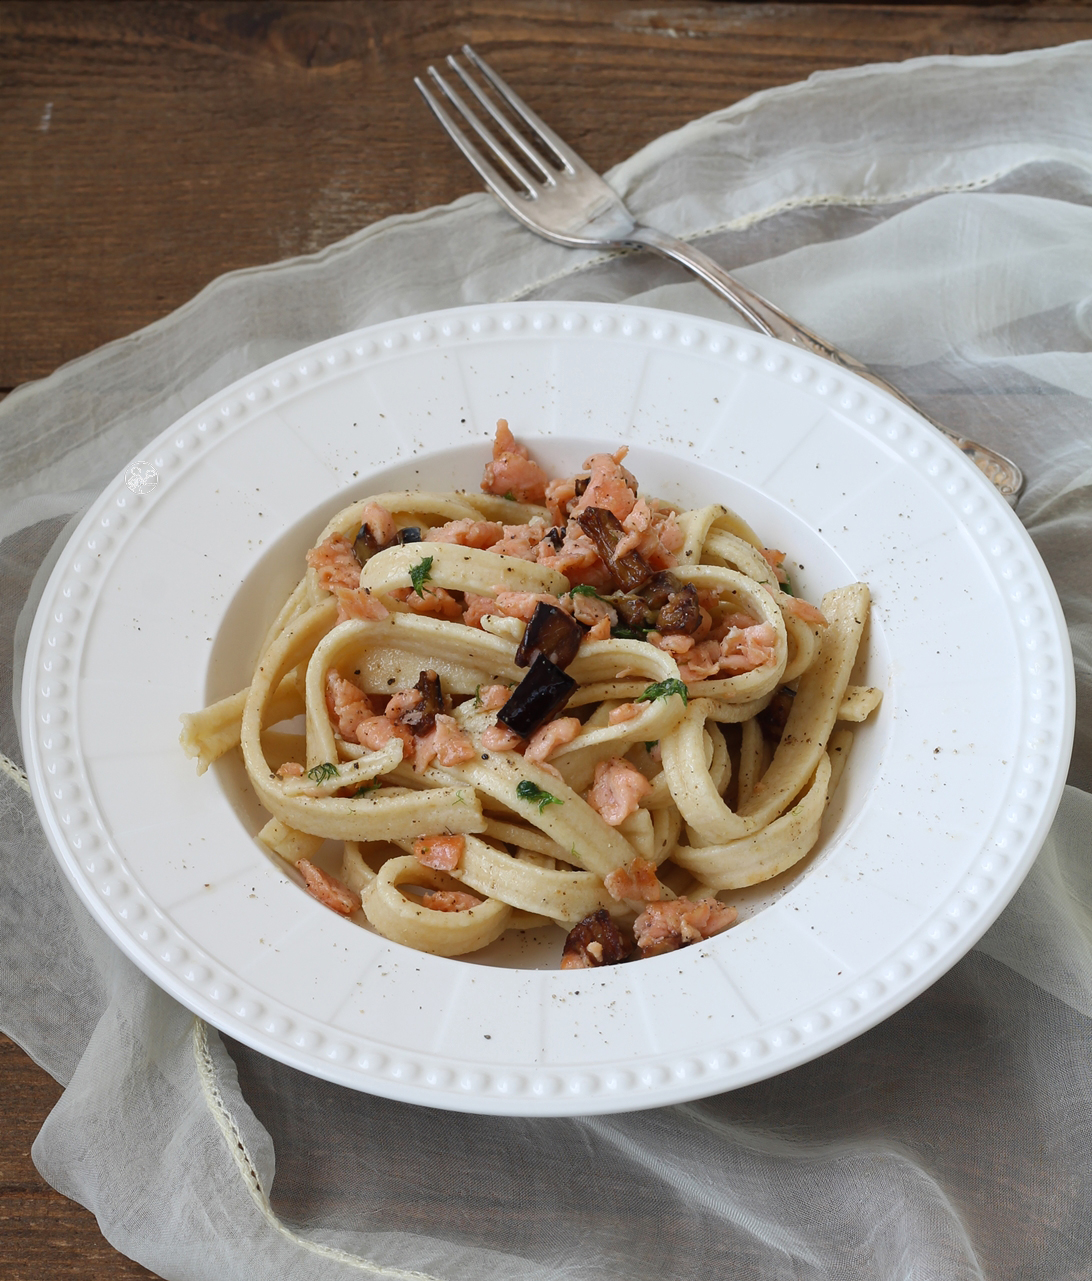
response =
{"points": [[560, 197]]}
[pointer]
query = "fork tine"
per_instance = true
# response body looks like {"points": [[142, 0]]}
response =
{"points": [[498, 116], [498, 151], [496, 184], [564, 153]]}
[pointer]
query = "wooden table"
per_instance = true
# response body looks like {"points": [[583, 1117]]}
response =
{"points": [[147, 148]]}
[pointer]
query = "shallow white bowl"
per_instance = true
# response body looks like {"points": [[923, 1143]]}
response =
{"points": [[159, 601]]}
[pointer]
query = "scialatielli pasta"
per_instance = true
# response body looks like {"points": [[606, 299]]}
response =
{"points": [[556, 701]]}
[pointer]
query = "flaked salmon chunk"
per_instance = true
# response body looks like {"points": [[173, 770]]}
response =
{"points": [[638, 880], [513, 472], [665, 926], [445, 743], [329, 891], [443, 852], [554, 734], [358, 602], [376, 732], [335, 563], [616, 790], [610, 486], [493, 697], [499, 738], [450, 900], [521, 541], [347, 705], [467, 533], [432, 602]]}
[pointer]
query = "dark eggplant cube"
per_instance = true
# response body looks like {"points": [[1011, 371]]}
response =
{"points": [[411, 534], [681, 612], [630, 571], [660, 588], [556, 537], [422, 718], [541, 694], [633, 612], [551, 632], [773, 719], [597, 928], [365, 546]]}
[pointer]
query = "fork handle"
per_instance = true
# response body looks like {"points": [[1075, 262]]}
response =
{"points": [[771, 320]]}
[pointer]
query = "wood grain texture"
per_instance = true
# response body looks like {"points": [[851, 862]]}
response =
{"points": [[148, 147], [43, 1234]]}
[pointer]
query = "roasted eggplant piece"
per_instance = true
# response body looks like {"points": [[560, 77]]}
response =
{"points": [[556, 537], [422, 718], [541, 694], [772, 719], [660, 588], [663, 603], [365, 546], [633, 612], [631, 571], [551, 632], [592, 942], [681, 611]]}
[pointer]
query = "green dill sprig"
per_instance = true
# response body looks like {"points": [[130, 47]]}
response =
{"points": [[371, 786], [584, 589], [322, 773], [664, 689], [535, 795], [421, 573]]}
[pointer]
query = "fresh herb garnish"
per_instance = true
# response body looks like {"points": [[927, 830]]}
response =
{"points": [[786, 586], [535, 795], [629, 633], [371, 786], [421, 573], [322, 773], [509, 495], [583, 589], [651, 744], [663, 689], [477, 695]]}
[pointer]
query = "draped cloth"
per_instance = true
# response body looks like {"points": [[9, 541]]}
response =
{"points": [[932, 217]]}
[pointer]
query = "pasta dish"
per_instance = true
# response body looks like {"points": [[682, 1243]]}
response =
{"points": [[558, 701]]}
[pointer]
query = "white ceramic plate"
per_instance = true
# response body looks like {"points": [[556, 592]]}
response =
{"points": [[159, 601]]}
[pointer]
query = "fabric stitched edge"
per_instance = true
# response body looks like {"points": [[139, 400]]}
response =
{"points": [[214, 1100], [9, 767], [745, 221]]}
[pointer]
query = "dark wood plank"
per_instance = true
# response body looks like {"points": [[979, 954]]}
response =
{"points": [[149, 147], [43, 1234]]}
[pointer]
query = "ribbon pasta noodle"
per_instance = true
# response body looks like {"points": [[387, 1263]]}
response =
{"points": [[558, 701]]}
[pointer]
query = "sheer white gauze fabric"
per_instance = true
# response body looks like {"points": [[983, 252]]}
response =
{"points": [[932, 217]]}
